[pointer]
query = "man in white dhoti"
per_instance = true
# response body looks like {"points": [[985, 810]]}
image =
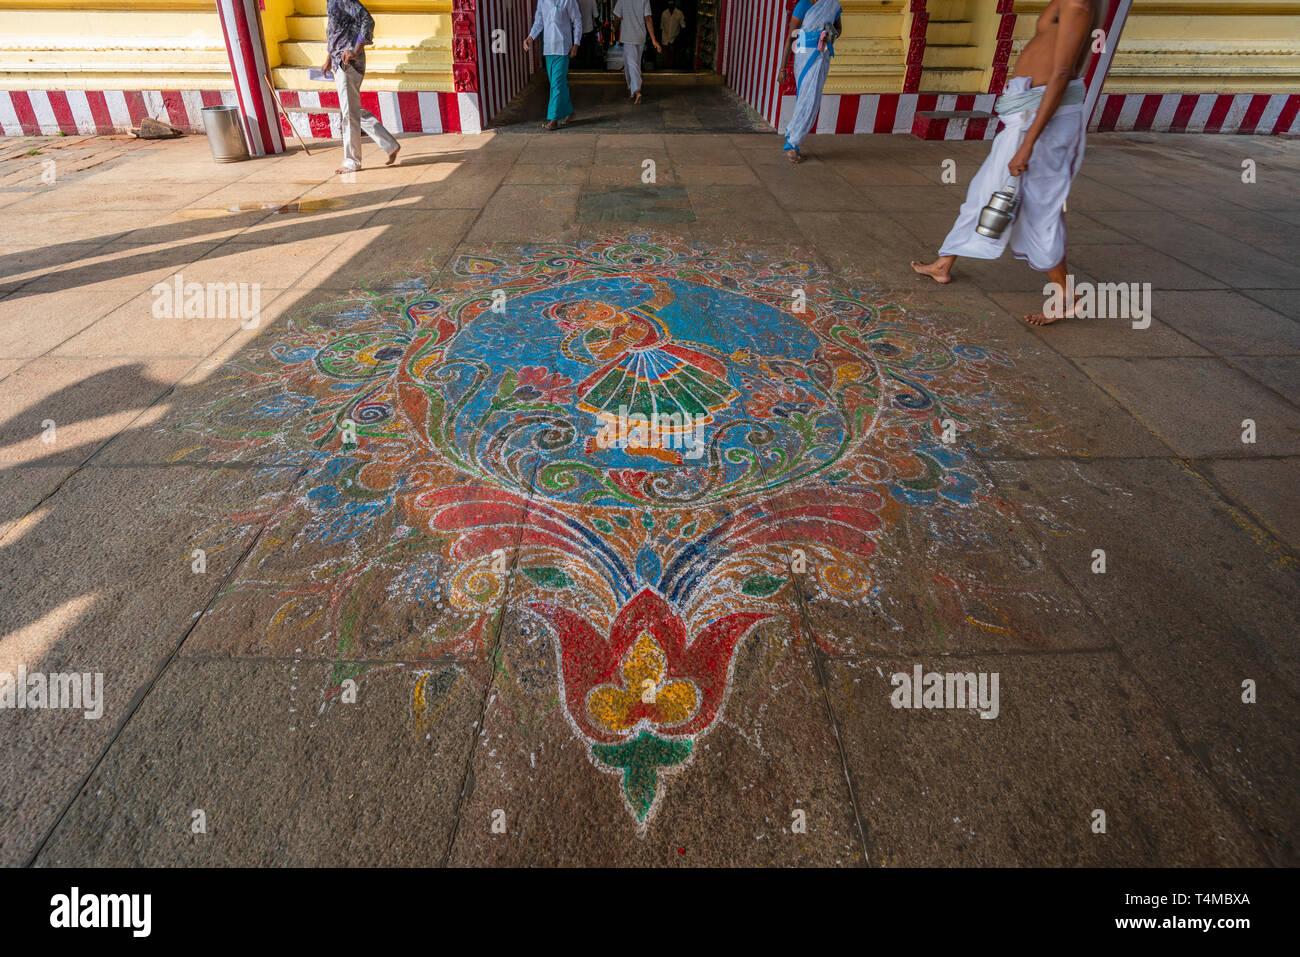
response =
{"points": [[814, 26], [633, 23], [1039, 151]]}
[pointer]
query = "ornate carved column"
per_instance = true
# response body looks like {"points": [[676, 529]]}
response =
{"points": [[464, 45], [1002, 52], [915, 46], [788, 87]]}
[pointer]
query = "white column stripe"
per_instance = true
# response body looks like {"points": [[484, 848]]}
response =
{"points": [[389, 115], [430, 115], [830, 113], [1271, 112], [154, 105], [906, 113], [1128, 114], [81, 114], [193, 101], [470, 121], [1236, 113], [40, 101], [1165, 114], [867, 107], [117, 109], [1201, 115], [9, 116]]}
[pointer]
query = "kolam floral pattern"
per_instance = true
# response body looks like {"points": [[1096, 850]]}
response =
{"points": [[467, 411]]}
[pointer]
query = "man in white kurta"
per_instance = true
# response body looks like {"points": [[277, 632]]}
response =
{"points": [[632, 18], [559, 23]]}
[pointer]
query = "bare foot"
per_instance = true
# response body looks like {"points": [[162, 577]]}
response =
{"points": [[392, 157], [795, 157], [935, 270], [636, 98], [550, 126], [1042, 319], [568, 119], [348, 169]]}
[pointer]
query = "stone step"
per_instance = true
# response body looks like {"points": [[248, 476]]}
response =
{"points": [[377, 8], [951, 56], [951, 9], [959, 79], [949, 32], [391, 28]]}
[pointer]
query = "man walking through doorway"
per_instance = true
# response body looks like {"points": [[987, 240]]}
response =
{"points": [[589, 53], [559, 22], [671, 24], [633, 23]]}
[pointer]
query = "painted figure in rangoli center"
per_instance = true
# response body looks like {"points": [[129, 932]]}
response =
{"points": [[643, 372]]}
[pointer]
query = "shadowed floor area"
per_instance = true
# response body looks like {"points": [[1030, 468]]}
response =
{"points": [[677, 102]]}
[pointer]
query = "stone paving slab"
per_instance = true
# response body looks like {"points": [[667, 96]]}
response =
{"points": [[948, 788], [63, 410], [1199, 406], [1228, 323], [102, 580], [279, 783], [1279, 373], [1188, 621], [1264, 486], [1285, 301]]}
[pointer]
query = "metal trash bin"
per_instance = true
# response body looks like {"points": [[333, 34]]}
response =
{"points": [[225, 133]]}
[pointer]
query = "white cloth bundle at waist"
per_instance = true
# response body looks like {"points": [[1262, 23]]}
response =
{"points": [[1021, 101]]}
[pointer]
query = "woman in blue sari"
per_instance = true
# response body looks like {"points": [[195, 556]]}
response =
{"points": [[814, 25]]}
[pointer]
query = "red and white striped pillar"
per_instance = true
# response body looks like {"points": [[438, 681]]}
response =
{"points": [[241, 23]]}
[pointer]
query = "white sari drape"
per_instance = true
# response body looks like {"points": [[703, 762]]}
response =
{"points": [[1037, 234], [810, 68]]}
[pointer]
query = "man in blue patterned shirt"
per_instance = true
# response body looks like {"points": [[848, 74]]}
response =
{"points": [[349, 29]]}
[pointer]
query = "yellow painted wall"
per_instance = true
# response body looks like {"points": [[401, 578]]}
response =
{"points": [[1198, 46], [177, 45], [869, 56], [1168, 45]]}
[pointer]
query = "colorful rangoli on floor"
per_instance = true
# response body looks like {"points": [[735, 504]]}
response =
{"points": [[805, 413]]}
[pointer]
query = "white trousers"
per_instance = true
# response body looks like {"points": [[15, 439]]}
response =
{"points": [[354, 119], [632, 64], [1037, 234]]}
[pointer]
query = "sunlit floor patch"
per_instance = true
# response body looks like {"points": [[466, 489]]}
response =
{"points": [[297, 206]]}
